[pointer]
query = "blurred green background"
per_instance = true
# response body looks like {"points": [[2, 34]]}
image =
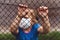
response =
{"points": [[50, 36]]}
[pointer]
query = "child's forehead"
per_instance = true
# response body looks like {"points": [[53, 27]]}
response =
{"points": [[29, 11]]}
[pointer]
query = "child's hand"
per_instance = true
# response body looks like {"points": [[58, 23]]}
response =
{"points": [[43, 11]]}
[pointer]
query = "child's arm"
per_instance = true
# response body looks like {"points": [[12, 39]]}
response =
{"points": [[14, 25], [45, 28]]}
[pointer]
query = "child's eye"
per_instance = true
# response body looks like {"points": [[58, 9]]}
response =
{"points": [[26, 13]]}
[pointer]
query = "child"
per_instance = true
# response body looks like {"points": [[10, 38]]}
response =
{"points": [[28, 27]]}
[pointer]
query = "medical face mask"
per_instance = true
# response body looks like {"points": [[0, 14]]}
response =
{"points": [[25, 23]]}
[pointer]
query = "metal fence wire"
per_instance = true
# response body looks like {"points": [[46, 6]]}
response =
{"points": [[9, 11]]}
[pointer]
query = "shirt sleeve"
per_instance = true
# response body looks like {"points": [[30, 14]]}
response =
{"points": [[36, 26]]}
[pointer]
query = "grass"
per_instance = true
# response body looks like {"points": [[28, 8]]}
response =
{"points": [[50, 36]]}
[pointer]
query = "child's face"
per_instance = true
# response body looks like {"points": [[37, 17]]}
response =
{"points": [[27, 14], [27, 19]]}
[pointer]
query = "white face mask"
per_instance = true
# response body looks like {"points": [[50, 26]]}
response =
{"points": [[25, 23]]}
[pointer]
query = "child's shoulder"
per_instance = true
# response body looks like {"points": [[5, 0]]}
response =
{"points": [[36, 25]]}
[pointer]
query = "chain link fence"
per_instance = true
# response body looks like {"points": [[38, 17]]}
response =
{"points": [[9, 10]]}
